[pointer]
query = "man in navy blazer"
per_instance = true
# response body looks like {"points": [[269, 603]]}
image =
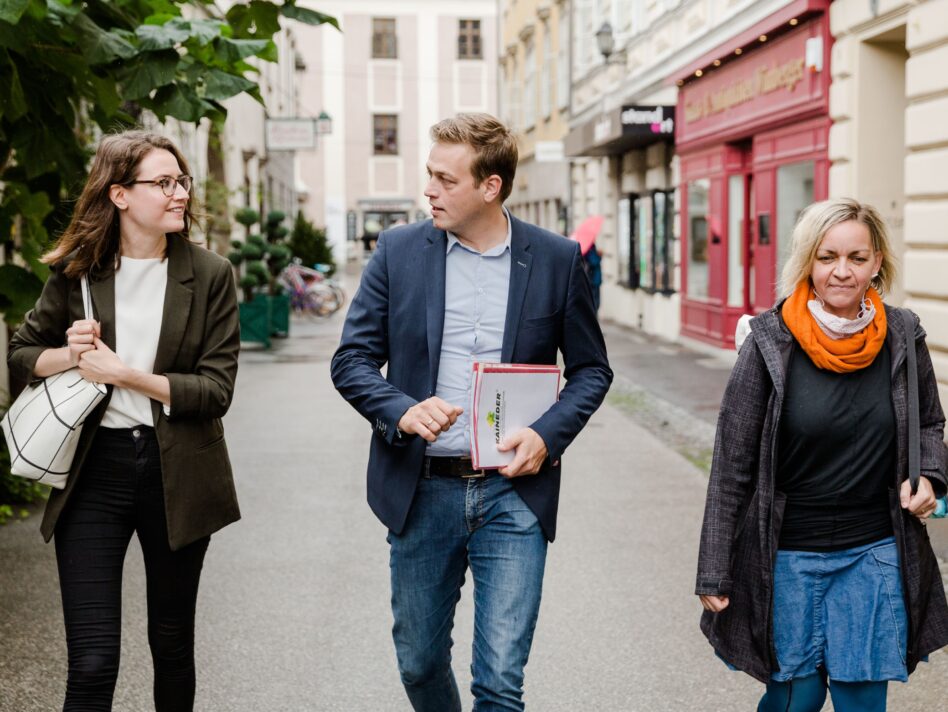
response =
{"points": [[472, 284]]}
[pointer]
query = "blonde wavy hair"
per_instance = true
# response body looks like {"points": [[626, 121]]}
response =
{"points": [[812, 226]]}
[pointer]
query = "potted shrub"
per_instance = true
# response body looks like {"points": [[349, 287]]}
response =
{"points": [[278, 256], [248, 257]]}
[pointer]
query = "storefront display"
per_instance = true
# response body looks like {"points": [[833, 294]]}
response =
{"points": [[752, 135]]}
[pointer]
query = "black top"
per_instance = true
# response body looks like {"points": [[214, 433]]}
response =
{"points": [[836, 455]]}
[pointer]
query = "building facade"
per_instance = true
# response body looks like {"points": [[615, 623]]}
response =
{"points": [[635, 150], [752, 131], [889, 142], [534, 79], [393, 72]]}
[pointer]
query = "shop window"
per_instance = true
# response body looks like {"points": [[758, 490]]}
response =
{"points": [[698, 207], [469, 39], [735, 241], [794, 193], [645, 229], [385, 132], [643, 241], [625, 237], [384, 42], [662, 218]]}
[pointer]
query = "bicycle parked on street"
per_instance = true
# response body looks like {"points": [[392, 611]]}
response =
{"points": [[312, 292]]}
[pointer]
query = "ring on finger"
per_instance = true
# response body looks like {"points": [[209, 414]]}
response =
{"points": [[429, 423]]}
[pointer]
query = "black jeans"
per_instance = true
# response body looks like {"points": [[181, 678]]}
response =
{"points": [[120, 492]]}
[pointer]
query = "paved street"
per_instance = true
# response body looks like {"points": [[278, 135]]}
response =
{"points": [[294, 613]]}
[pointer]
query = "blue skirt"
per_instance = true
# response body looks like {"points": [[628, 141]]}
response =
{"points": [[843, 611]]}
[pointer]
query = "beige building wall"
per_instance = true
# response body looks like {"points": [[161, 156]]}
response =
{"points": [[889, 143], [425, 83], [534, 101]]}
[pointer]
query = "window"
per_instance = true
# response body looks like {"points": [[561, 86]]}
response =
{"points": [[698, 205], [562, 61], [546, 88], [642, 215], [794, 193], [645, 228], [662, 217], [513, 95], [469, 39], [529, 87], [384, 42], [624, 232], [386, 134]]}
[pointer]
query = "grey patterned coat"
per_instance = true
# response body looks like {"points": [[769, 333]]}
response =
{"points": [[743, 511]]}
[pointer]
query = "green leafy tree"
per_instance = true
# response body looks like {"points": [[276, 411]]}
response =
{"points": [[310, 244], [70, 68]]}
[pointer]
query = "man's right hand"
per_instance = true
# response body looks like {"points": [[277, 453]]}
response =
{"points": [[429, 418]]}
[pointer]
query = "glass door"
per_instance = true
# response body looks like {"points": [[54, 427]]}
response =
{"points": [[794, 193]]}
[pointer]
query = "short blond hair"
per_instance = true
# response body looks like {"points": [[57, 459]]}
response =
{"points": [[812, 226], [494, 145]]}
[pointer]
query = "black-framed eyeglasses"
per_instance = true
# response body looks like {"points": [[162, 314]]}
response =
{"points": [[168, 184]]}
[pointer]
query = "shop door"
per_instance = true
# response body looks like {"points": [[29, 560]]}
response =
{"points": [[740, 264], [781, 193]]}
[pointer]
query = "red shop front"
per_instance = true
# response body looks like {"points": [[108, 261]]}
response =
{"points": [[753, 124]]}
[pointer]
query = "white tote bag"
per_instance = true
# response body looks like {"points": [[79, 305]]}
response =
{"points": [[42, 426]]}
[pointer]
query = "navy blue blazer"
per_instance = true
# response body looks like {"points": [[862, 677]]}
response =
{"points": [[397, 318]]}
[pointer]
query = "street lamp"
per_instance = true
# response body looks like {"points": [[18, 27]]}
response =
{"points": [[323, 124], [606, 41]]}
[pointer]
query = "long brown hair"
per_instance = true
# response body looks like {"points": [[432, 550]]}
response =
{"points": [[93, 231]]}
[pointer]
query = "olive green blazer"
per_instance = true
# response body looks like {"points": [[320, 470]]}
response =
{"points": [[197, 351]]}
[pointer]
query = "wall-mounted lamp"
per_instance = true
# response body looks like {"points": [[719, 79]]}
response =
{"points": [[605, 40], [323, 124]]}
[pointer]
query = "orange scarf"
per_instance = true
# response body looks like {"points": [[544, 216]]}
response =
{"points": [[839, 355]]}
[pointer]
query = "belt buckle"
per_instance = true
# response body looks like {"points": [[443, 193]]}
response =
{"points": [[475, 475]]}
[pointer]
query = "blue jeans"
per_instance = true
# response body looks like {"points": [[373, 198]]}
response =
{"points": [[453, 524]]}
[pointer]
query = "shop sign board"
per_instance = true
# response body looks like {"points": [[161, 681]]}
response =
{"points": [[645, 121], [770, 82], [290, 134]]}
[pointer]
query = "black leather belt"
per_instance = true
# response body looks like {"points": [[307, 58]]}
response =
{"points": [[452, 467]]}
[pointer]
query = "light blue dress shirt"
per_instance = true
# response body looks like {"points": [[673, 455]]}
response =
{"points": [[475, 310]]}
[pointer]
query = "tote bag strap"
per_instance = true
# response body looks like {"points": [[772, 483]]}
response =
{"points": [[914, 464], [86, 297]]}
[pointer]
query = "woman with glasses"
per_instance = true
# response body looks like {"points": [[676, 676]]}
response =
{"points": [[152, 459]]}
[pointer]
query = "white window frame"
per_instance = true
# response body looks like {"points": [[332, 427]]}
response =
{"points": [[529, 85], [562, 61], [546, 74]]}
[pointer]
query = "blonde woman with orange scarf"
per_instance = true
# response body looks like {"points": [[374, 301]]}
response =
{"points": [[815, 570]]}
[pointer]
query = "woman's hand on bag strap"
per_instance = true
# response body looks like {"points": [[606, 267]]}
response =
{"points": [[922, 504], [81, 337]]}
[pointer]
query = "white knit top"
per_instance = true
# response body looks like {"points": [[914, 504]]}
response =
{"points": [[139, 304]]}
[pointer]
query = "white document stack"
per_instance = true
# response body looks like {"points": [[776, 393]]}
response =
{"points": [[504, 398]]}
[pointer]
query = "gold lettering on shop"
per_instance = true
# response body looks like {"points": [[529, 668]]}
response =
{"points": [[765, 80]]}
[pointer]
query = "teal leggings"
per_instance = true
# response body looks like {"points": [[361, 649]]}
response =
{"points": [[807, 694]]}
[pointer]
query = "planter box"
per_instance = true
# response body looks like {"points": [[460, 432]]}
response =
{"points": [[255, 320], [280, 315]]}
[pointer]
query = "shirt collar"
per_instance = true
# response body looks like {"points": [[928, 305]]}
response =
{"points": [[494, 251]]}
